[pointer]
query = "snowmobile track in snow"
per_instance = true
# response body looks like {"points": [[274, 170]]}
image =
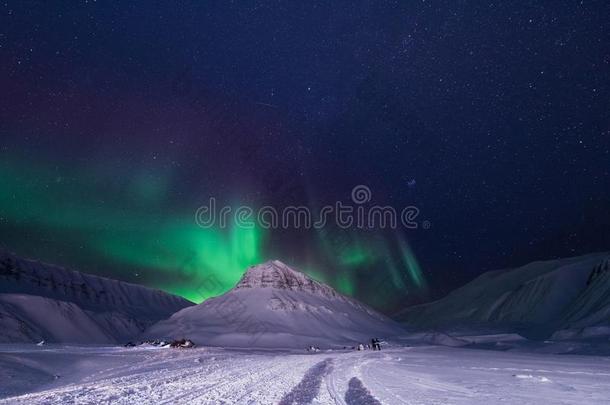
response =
{"points": [[357, 394], [309, 387], [409, 375]]}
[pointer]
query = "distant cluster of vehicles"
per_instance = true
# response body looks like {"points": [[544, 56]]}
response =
{"points": [[189, 344], [177, 344], [374, 345]]}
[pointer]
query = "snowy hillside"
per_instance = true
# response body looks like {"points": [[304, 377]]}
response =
{"points": [[537, 299], [276, 306], [42, 301]]}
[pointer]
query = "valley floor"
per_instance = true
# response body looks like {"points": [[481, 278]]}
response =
{"points": [[410, 375]]}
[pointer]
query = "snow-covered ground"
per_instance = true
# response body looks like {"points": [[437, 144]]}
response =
{"points": [[414, 375]]}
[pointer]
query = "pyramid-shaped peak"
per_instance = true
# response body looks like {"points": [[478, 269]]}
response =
{"points": [[278, 275], [274, 305]]}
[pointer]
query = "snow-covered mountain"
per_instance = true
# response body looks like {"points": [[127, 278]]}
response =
{"points": [[275, 306], [42, 301], [563, 298]]}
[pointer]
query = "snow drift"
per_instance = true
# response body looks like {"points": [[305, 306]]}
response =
{"points": [[275, 306], [571, 296], [41, 301]]}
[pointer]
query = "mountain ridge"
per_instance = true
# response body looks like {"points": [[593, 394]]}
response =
{"points": [[23, 276], [538, 299], [114, 310]]}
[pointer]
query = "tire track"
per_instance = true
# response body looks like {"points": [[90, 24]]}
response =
{"points": [[358, 394], [309, 387]]}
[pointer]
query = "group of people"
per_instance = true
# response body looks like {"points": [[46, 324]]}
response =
{"points": [[375, 345]]}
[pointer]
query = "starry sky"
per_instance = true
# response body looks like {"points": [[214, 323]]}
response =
{"points": [[119, 119]]}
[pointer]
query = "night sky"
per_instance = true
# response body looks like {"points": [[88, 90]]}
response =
{"points": [[119, 119]]}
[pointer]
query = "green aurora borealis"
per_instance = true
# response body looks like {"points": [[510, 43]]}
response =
{"points": [[123, 228], [118, 121]]}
